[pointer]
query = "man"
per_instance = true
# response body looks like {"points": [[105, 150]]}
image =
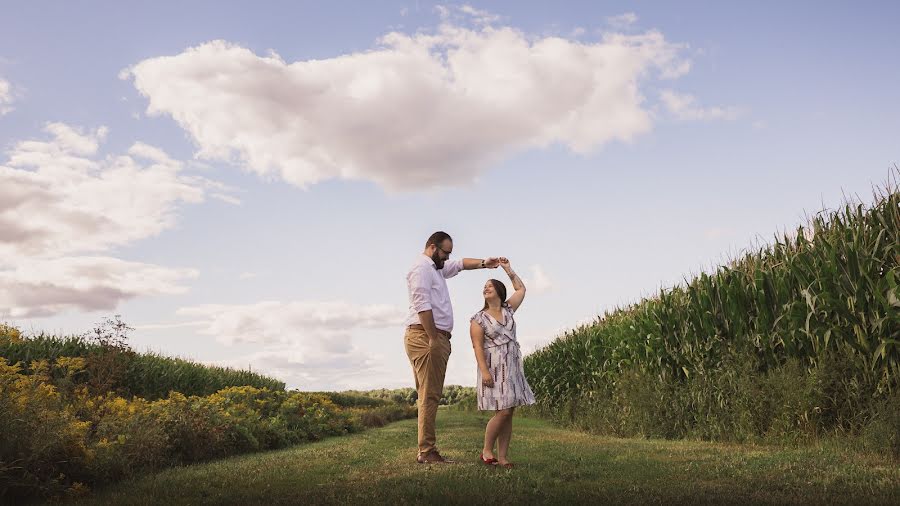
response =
{"points": [[428, 328]]}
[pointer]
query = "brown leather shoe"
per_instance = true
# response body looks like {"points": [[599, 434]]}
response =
{"points": [[433, 457]]}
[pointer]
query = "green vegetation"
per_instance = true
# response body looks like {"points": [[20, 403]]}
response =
{"points": [[456, 395], [112, 367], [797, 340], [555, 466], [65, 424]]}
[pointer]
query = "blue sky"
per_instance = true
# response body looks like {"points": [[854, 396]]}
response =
{"points": [[258, 200]]}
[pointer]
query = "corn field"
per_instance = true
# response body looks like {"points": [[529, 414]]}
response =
{"points": [[826, 292], [146, 375]]}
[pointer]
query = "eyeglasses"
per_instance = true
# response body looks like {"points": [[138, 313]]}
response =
{"points": [[442, 250]]}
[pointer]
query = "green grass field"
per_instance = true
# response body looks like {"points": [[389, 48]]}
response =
{"points": [[555, 466]]}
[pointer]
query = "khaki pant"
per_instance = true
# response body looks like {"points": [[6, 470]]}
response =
{"points": [[429, 364]]}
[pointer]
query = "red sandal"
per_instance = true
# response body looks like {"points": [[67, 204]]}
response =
{"points": [[489, 462]]}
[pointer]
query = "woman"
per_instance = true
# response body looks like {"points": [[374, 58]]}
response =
{"points": [[501, 378]]}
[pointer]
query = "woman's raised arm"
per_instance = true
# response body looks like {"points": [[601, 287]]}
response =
{"points": [[516, 299]]}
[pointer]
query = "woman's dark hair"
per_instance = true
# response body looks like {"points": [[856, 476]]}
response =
{"points": [[500, 288], [437, 239]]}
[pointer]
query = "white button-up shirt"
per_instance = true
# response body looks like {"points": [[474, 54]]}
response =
{"points": [[428, 290]]}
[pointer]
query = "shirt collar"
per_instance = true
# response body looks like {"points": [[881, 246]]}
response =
{"points": [[425, 259]]}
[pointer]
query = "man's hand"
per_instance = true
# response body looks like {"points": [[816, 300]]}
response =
{"points": [[491, 263]]}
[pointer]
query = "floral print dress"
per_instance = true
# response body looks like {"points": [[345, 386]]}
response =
{"points": [[504, 360]]}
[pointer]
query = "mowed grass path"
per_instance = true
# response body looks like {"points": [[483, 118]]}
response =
{"points": [[555, 466]]}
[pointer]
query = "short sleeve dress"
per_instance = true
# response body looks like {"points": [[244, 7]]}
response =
{"points": [[504, 360]]}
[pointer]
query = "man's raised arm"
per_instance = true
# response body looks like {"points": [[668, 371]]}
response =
{"points": [[477, 263]]}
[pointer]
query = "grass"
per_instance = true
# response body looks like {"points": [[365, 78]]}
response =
{"points": [[555, 466]]}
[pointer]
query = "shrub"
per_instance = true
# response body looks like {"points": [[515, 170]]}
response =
{"points": [[313, 416], [383, 415], [110, 365], [42, 444], [10, 334], [354, 399], [59, 437]]}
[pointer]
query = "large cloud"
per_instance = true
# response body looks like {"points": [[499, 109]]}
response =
{"points": [[307, 369], [269, 322], [416, 111], [308, 344], [59, 201], [56, 198], [45, 287]]}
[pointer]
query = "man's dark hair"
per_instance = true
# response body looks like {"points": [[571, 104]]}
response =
{"points": [[437, 238]]}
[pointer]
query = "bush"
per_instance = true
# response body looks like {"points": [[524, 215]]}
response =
{"points": [[883, 432], [9, 334], [313, 416], [383, 415], [42, 443], [110, 365], [736, 402], [354, 399], [57, 436], [128, 438], [452, 395], [358, 398]]}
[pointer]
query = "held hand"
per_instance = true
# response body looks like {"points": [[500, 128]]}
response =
{"points": [[504, 262], [486, 379], [491, 263]]}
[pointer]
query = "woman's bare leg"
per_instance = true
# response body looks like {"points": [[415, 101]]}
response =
{"points": [[504, 435], [494, 426]]}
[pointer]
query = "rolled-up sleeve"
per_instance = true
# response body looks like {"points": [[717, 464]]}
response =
{"points": [[452, 267], [419, 290]]}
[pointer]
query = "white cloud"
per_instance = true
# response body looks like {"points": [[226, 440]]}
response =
{"points": [[416, 111], [683, 106], [478, 16], [303, 343], [158, 326], [622, 21], [6, 98], [57, 199], [154, 154], [314, 323], [61, 204], [539, 282], [300, 368], [38, 288], [443, 12]]}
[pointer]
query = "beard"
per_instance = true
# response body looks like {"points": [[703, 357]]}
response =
{"points": [[438, 262]]}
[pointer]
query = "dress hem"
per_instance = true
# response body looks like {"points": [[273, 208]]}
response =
{"points": [[517, 403]]}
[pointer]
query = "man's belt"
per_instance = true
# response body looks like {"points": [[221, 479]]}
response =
{"points": [[422, 327]]}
